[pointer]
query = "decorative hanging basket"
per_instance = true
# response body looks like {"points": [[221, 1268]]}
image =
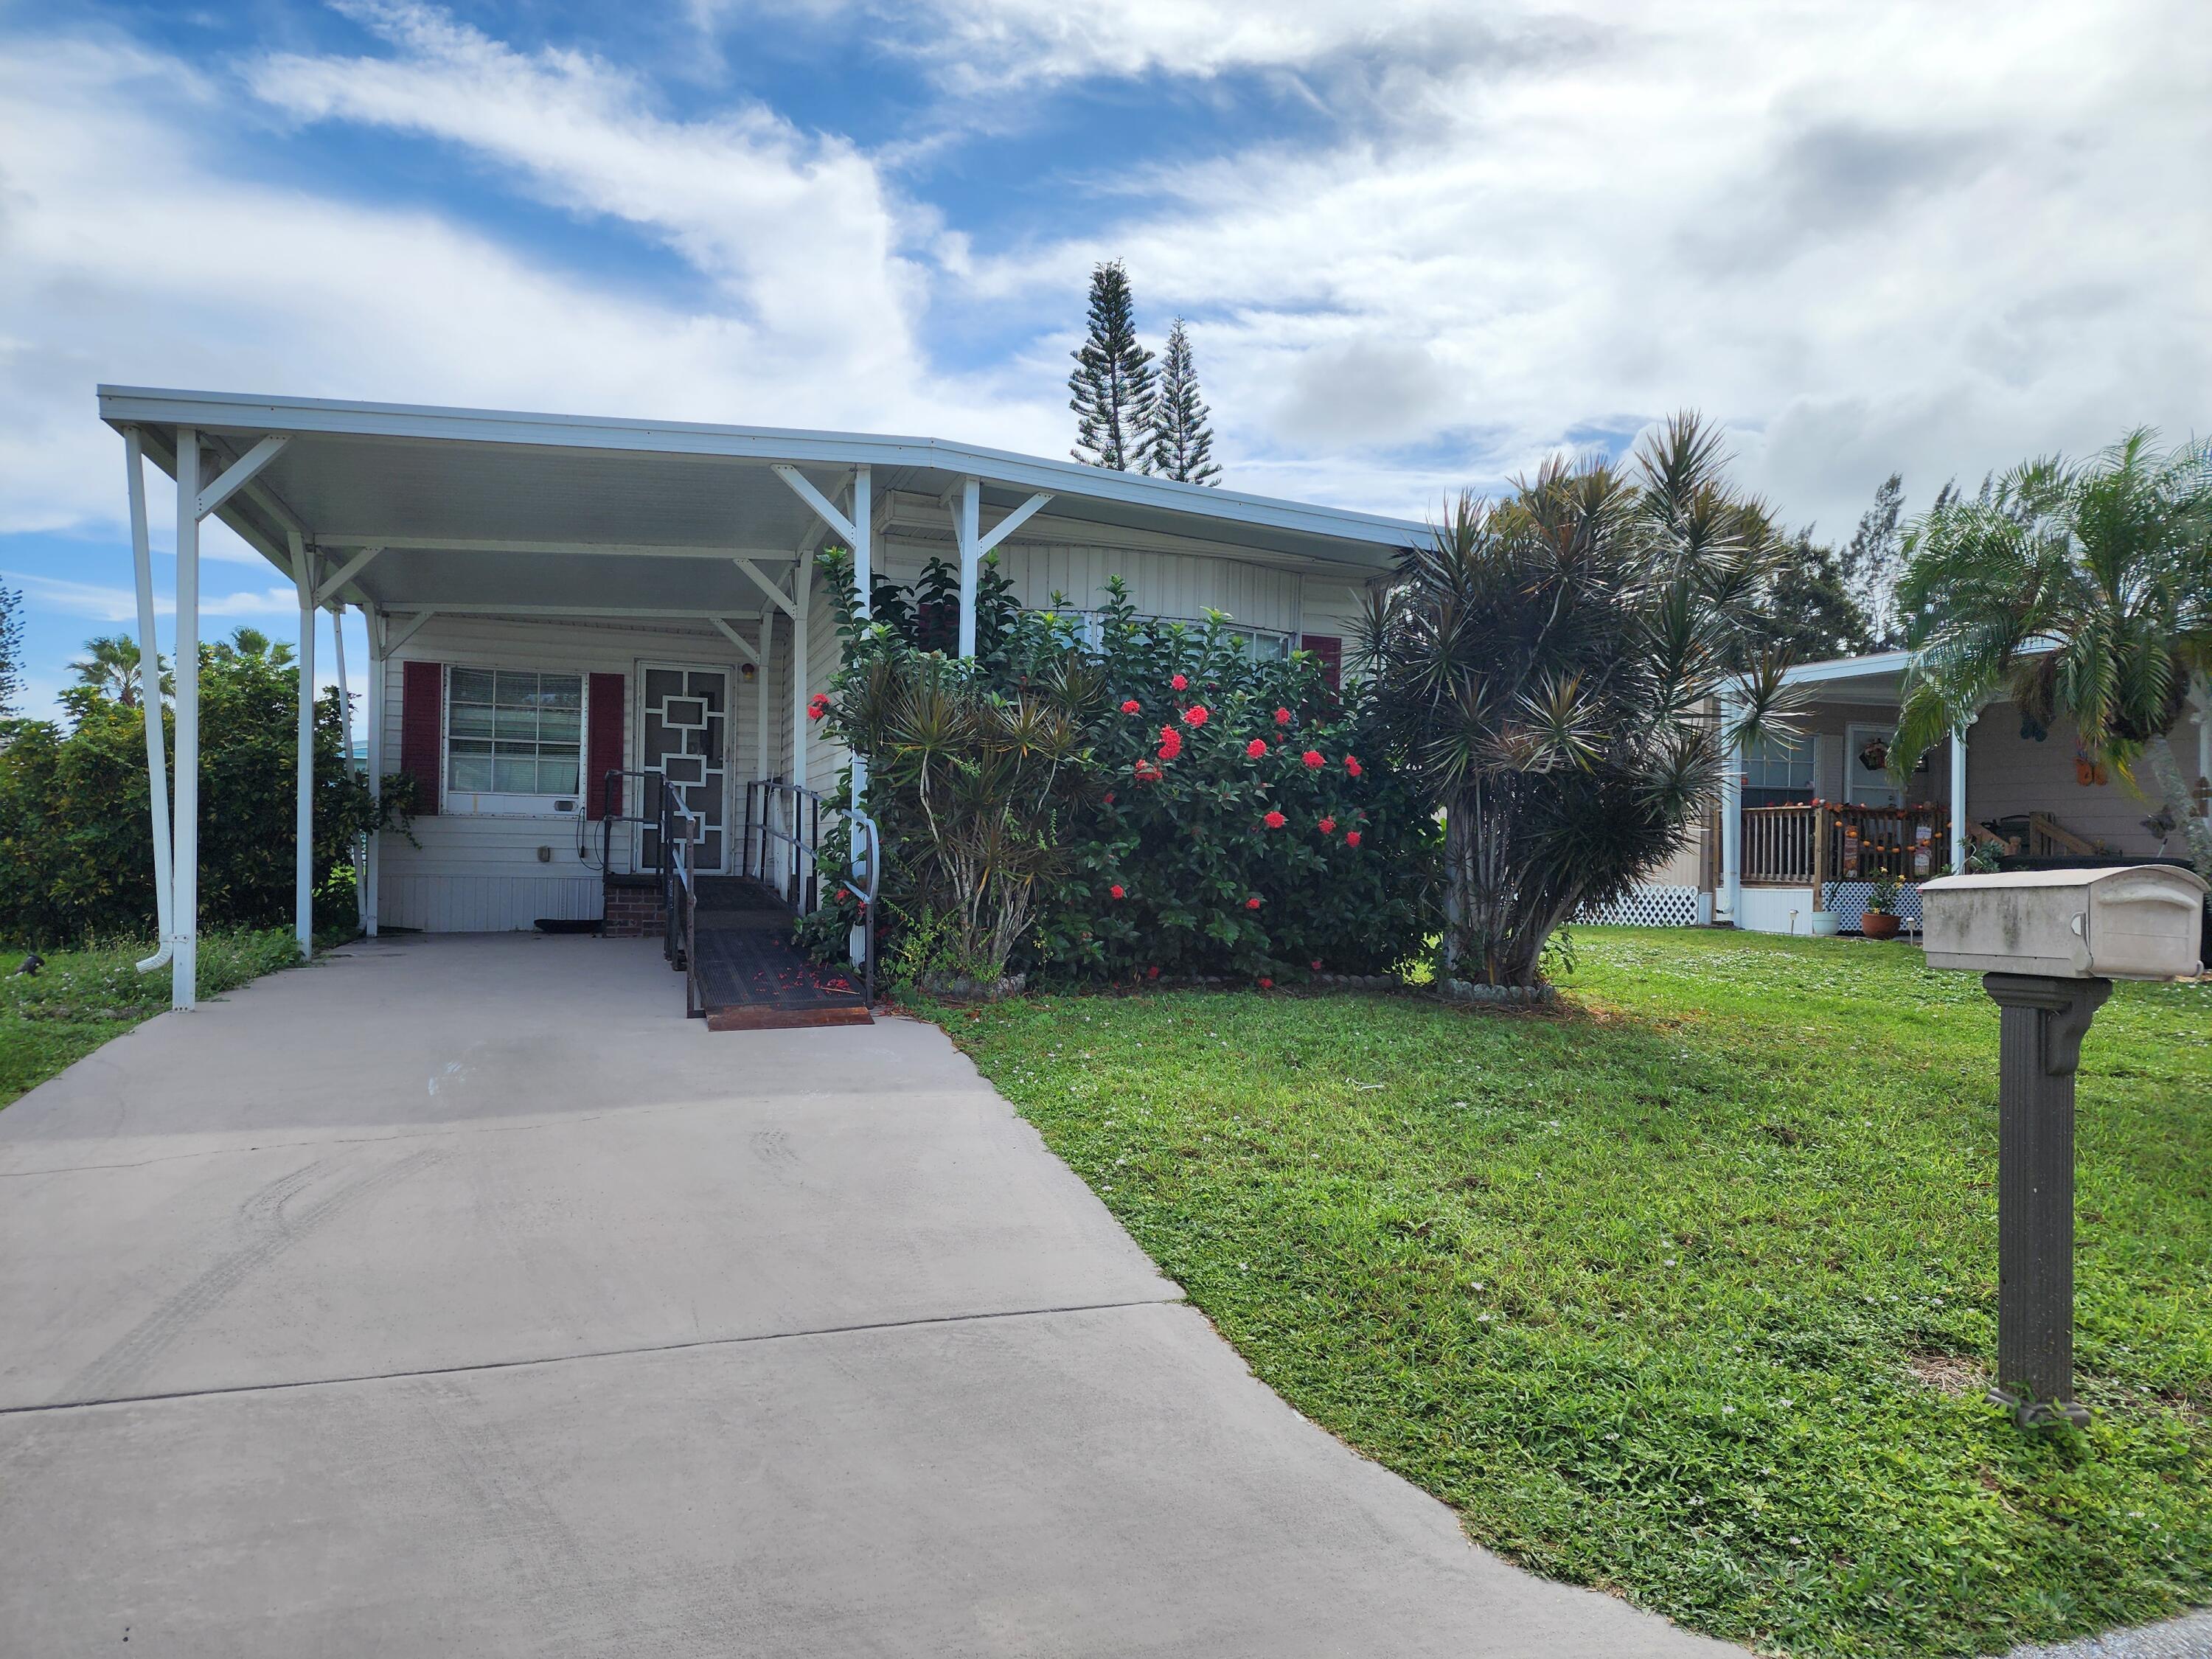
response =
{"points": [[1875, 754]]}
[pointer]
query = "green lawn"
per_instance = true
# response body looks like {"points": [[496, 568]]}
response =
{"points": [[1688, 1290], [81, 999]]}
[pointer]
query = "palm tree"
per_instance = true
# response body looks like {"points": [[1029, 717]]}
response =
{"points": [[1553, 666], [2079, 590], [110, 666], [248, 641]]}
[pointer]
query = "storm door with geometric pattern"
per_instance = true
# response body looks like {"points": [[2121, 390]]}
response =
{"points": [[684, 715]]}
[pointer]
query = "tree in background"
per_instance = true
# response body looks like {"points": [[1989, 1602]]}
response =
{"points": [[1870, 566], [1547, 667], [1808, 611], [2079, 590], [11, 649], [1115, 394], [1182, 434], [110, 666]]}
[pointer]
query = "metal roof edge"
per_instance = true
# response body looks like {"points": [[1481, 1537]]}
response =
{"points": [[121, 405]]}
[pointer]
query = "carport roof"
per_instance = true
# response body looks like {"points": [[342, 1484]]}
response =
{"points": [[471, 506]]}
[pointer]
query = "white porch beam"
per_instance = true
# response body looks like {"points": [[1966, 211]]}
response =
{"points": [[966, 539], [788, 606], [185, 884], [303, 815], [595, 549], [744, 648], [802, 487], [239, 473], [456, 608], [344, 574], [149, 695], [1007, 526], [394, 639]]}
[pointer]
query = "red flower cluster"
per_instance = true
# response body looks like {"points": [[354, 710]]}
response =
{"points": [[1314, 759], [1170, 742], [1352, 838], [1255, 749], [1274, 820], [1180, 683], [1153, 972], [1130, 706], [1317, 964], [1195, 714], [1351, 764], [1252, 903], [1109, 797], [1117, 892], [1146, 772], [1327, 826], [1282, 717], [818, 706], [1266, 985]]}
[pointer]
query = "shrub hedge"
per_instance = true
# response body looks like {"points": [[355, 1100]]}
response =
{"points": [[1229, 825]]}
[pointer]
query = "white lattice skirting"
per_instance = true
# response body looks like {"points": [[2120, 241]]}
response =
{"points": [[1645, 907], [1850, 899]]}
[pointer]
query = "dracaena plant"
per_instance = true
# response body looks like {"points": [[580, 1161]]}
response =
{"points": [[1564, 669], [2079, 592]]}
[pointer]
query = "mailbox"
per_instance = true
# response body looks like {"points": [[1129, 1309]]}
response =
{"points": [[2140, 921]]}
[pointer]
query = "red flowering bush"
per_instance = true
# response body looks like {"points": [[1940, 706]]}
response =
{"points": [[1168, 879], [1327, 826]]}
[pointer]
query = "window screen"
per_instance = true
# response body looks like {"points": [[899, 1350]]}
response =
{"points": [[513, 731]]}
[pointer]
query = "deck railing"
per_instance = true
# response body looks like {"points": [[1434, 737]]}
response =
{"points": [[1814, 843]]}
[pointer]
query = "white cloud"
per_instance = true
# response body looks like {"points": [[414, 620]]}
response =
{"points": [[92, 600]]}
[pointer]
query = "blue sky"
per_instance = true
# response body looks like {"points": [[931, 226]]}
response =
{"points": [[1421, 243]]}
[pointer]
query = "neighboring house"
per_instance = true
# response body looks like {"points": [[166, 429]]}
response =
{"points": [[1822, 809], [551, 598]]}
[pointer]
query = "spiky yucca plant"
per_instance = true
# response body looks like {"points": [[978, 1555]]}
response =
{"points": [[1553, 666], [2079, 592]]}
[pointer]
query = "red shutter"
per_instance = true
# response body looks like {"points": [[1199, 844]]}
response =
{"points": [[603, 740], [1329, 648], [422, 728]]}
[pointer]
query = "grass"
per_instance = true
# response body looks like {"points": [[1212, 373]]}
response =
{"points": [[82, 998], [1687, 1291]]}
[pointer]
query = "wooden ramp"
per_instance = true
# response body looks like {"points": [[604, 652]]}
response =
{"points": [[748, 973]]}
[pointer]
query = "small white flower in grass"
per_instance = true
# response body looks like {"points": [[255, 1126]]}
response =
{"points": [[1727, 1411], [1485, 1318], [1670, 1262]]}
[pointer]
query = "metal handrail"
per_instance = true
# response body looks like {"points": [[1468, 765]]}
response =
{"points": [[681, 831], [795, 872]]}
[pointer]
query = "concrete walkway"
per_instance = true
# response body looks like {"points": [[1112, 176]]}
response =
{"points": [[456, 1296]]}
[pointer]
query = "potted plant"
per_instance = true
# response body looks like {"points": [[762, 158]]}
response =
{"points": [[1881, 920]]}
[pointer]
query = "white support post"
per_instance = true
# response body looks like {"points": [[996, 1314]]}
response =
{"points": [[864, 527], [1959, 798], [185, 884], [965, 537], [345, 730], [303, 810], [149, 697], [864, 536], [802, 593], [374, 621], [762, 703], [1732, 814]]}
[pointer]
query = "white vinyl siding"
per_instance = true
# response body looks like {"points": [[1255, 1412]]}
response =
{"points": [[484, 873]]}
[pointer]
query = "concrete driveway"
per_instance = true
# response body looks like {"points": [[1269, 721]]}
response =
{"points": [[456, 1296]]}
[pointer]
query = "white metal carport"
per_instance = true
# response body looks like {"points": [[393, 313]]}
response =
{"points": [[410, 512]]}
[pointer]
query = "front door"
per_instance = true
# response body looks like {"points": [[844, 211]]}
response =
{"points": [[1864, 784], [684, 736]]}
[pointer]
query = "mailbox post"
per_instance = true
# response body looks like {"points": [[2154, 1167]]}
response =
{"points": [[2048, 945]]}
